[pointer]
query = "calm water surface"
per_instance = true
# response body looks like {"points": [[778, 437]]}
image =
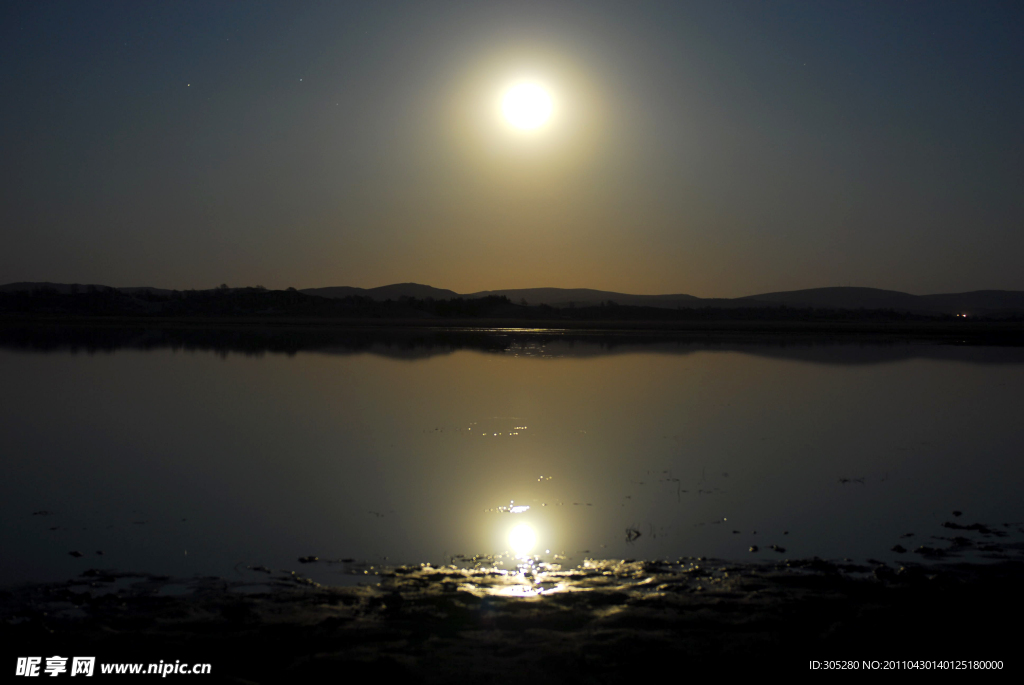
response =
{"points": [[201, 461]]}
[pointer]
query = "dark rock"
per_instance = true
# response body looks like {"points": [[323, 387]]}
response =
{"points": [[883, 572], [931, 552]]}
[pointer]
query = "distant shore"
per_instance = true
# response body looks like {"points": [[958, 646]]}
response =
{"points": [[982, 332]]}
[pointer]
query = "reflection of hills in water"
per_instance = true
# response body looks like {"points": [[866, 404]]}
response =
{"points": [[414, 344]]}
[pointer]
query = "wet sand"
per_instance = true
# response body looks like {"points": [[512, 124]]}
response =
{"points": [[601, 622]]}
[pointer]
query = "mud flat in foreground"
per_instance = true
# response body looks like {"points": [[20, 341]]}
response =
{"points": [[601, 622]]}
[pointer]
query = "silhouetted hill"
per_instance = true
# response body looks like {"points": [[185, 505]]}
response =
{"points": [[978, 303], [236, 302], [386, 292], [336, 292], [569, 301], [420, 292], [841, 298], [25, 286], [73, 288], [587, 297]]}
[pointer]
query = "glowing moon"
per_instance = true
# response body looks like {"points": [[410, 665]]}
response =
{"points": [[522, 539], [527, 106]]}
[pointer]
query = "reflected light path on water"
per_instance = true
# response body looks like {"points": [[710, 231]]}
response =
{"points": [[200, 461]]}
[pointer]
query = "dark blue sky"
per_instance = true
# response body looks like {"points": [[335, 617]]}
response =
{"points": [[710, 148]]}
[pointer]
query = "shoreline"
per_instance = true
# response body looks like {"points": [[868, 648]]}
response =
{"points": [[992, 332], [604, 621]]}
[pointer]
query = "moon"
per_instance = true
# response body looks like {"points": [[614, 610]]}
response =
{"points": [[527, 105], [522, 539]]}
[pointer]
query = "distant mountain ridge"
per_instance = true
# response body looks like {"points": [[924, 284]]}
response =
{"points": [[386, 292], [977, 303], [68, 288], [587, 297]]}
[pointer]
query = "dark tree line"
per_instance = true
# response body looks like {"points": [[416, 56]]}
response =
{"points": [[258, 301], [224, 301]]}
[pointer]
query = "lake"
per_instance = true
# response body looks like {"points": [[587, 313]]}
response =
{"points": [[192, 452]]}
